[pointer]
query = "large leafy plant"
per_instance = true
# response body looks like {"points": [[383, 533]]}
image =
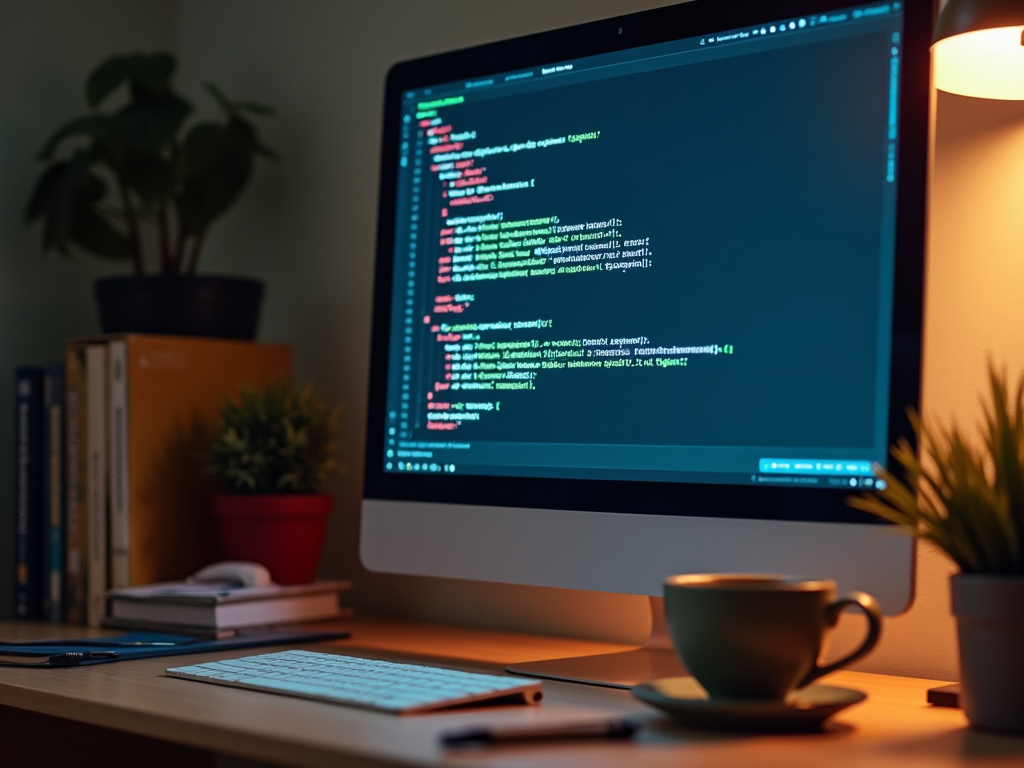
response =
{"points": [[968, 501], [276, 440], [133, 174]]}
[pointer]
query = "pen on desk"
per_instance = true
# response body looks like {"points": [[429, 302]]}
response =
{"points": [[503, 734]]}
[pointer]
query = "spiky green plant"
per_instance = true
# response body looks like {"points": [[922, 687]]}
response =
{"points": [[968, 501], [276, 440]]}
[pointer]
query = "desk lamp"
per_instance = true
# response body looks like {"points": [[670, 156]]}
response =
{"points": [[978, 49]]}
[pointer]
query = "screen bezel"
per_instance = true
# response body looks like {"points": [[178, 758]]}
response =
{"points": [[690, 19]]}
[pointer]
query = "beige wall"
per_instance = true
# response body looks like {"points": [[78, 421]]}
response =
{"points": [[307, 227], [47, 47]]}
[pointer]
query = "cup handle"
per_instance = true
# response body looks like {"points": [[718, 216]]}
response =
{"points": [[872, 610]]}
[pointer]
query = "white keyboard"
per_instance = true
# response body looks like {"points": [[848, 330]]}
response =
{"points": [[359, 682]]}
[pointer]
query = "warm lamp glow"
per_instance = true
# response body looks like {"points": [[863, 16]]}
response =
{"points": [[987, 64]]}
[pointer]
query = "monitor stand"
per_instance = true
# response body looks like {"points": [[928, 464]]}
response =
{"points": [[653, 660]]}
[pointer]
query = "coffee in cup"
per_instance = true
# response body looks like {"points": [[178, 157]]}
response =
{"points": [[758, 637]]}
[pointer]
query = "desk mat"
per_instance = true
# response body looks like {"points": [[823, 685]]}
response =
{"points": [[145, 645]]}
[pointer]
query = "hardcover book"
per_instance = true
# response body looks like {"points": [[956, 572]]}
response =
{"points": [[96, 481], [163, 396], [53, 492], [225, 607], [76, 466], [28, 492]]}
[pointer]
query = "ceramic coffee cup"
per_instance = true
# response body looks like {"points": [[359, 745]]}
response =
{"points": [[750, 636]]}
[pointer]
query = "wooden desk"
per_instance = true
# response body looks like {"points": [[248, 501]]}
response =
{"points": [[894, 727]]}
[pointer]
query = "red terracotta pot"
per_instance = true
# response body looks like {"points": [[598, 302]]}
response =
{"points": [[282, 531]]}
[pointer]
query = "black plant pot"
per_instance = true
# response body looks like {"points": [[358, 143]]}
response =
{"points": [[222, 307]]}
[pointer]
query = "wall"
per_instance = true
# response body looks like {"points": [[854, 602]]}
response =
{"points": [[307, 227], [47, 48], [974, 314], [309, 230]]}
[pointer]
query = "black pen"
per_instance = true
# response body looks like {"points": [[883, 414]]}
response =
{"points": [[503, 734]]}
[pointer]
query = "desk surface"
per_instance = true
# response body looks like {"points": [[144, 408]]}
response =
{"points": [[894, 727]]}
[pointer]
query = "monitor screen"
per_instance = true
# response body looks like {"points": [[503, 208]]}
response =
{"points": [[657, 274]]}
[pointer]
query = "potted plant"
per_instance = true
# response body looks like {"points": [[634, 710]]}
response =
{"points": [[130, 177], [969, 501], [273, 449]]}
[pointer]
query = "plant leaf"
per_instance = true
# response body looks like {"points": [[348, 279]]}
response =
{"points": [[150, 72], [280, 439], [213, 167], [236, 108], [223, 101], [43, 192], [67, 188], [94, 233], [89, 126], [149, 124], [65, 198], [255, 108], [970, 503]]}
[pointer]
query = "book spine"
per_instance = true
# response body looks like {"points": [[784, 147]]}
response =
{"points": [[120, 563], [96, 445], [28, 493], [54, 492], [76, 464]]}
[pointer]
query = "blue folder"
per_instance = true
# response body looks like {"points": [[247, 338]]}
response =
{"points": [[144, 645]]}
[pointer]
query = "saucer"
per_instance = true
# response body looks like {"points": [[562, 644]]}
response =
{"points": [[803, 710]]}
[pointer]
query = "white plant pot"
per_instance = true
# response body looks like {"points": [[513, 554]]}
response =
{"points": [[989, 613]]}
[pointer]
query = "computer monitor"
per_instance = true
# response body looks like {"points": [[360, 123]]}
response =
{"points": [[648, 298]]}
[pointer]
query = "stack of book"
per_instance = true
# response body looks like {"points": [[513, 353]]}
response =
{"points": [[109, 489], [212, 610]]}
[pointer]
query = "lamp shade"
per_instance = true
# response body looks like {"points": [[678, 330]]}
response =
{"points": [[978, 48]]}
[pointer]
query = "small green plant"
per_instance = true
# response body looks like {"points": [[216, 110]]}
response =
{"points": [[276, 440], [135, 168], [969, 502]]}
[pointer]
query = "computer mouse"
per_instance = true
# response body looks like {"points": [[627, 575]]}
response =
{"points": [[235, 572]]}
